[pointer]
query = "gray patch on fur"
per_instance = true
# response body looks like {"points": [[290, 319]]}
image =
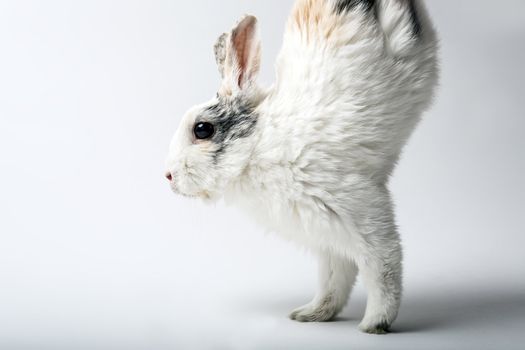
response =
{"points": [[414, 17], [232, 120], [348, 5], [342, 6], [381, 328]]}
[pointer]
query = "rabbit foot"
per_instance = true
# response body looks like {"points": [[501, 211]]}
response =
{"points": [[322, 311], [374, 327]]}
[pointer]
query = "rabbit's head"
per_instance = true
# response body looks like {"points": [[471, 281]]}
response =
{"points": [[214, 140]]}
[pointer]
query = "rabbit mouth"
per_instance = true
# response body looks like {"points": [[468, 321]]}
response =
{"points": [[177, 191], [185, 194], [202, 194]]}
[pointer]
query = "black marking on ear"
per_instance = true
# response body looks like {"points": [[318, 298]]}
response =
{"points": [[342, 6], [232, 119], [414, 17]]}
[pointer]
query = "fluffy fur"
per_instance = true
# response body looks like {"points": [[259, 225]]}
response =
{"points": [[310, 158]]}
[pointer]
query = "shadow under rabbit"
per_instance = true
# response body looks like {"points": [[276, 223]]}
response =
{"points": [[418, 313]]}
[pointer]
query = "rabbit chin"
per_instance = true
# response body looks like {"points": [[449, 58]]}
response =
{"points": [[206, 196]]}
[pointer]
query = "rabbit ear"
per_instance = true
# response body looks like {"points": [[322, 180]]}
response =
{"points": [[238, 56], [220, 52]]}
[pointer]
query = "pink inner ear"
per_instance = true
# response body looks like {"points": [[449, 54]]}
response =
{"points": [[242, 39]]}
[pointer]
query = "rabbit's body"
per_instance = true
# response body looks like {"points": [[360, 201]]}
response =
{"points": [[310, 158]]}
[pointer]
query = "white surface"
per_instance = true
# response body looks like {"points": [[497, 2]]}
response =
{"points": [[96, 253]]}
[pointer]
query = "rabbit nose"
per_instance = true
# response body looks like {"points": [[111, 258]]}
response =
{"points": [[169, 176]]}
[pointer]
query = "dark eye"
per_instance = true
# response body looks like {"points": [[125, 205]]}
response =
{"points": [[203, 131]]}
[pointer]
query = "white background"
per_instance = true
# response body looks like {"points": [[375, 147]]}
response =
{"points": [[97, 253]]}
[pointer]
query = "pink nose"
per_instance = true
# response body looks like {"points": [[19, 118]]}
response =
{"points": [[169, 176]]}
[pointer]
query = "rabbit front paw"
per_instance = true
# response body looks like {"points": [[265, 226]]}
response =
{"points": [[371, 327], [316, 311]]}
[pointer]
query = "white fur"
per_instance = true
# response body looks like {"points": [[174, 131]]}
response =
{"points": [[328, 135]]}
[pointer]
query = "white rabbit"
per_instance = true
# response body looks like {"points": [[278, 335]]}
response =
{"points": [[310, 157]]}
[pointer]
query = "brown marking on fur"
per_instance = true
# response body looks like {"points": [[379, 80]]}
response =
{"points": [[316, 20], [225, 90]]}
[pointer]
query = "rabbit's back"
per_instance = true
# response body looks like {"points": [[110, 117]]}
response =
{"points": [[353, 78]]}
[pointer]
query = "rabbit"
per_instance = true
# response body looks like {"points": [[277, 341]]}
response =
{"points": [[310, 157]]}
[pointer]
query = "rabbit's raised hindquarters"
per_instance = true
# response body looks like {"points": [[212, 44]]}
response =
{"points": [[310, 158], [352, 85]]}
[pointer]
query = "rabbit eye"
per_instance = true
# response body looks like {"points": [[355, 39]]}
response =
{"points": [[203, 131]]}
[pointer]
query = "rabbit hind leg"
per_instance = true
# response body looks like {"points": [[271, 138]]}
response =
{"points": [[336, 278]]}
